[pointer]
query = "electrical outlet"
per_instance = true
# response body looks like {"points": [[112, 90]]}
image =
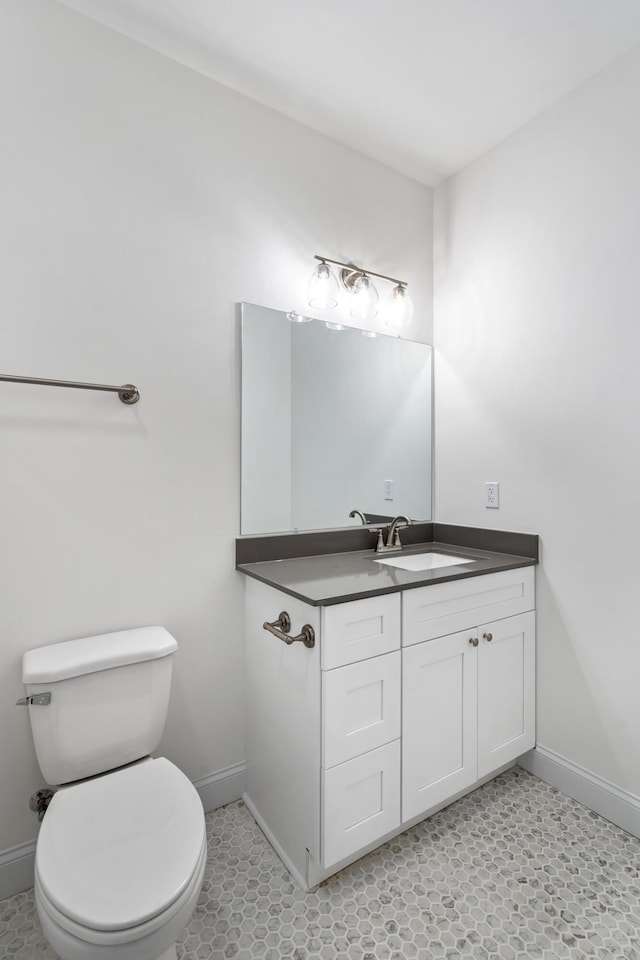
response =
{"points": [[492, 495], [388, 489]]}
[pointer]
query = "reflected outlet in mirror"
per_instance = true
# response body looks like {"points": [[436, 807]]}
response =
{"points": [[424, 561]]}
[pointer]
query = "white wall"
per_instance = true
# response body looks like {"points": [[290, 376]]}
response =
{"points": [[140, 202], [536, 379]]}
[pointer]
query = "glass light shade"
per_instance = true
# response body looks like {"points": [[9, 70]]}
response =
{"points": [[364, 299], [298, 317], [334, 326], [398, 309], [369, 333], [323, 288]]}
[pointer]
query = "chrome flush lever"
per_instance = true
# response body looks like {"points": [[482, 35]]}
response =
{"points": [[37, 700]]}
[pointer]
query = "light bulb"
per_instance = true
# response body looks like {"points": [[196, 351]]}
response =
{"points": [[323, 288], [398, 308], [365, 299]]}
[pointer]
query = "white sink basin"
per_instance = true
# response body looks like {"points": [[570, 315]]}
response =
{"points": [[424, 561]]}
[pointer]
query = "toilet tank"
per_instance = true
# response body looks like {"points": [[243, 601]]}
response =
{"points": [[109, 698]]}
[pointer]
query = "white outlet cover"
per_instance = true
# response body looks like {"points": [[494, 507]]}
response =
{"points": [[492, 495]]}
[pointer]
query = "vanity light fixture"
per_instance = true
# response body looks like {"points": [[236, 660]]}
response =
{"points": [[323, 287], [324, 290], [398, 308], [364, 299]]}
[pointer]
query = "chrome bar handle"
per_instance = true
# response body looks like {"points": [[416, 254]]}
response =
{"points": [[280, 629], [127, 392], [37, 700]]}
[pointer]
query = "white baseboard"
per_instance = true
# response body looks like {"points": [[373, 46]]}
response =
{"points": [[217, 789], [612, 803], [222, 787], [16, 869]]}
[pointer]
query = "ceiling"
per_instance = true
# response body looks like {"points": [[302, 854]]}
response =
{"points": [[424, 86]]}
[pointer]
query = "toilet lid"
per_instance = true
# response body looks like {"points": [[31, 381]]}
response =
{"points": [[115, 851]]}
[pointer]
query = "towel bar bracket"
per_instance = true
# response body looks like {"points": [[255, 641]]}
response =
{"points": [[128, 393]]}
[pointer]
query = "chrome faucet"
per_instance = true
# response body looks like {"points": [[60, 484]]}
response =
{"points": [[359, 513], [393, 536]]}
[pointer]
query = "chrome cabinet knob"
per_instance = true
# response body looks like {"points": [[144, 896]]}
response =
{"points": [[488, 637], [473, 641]]}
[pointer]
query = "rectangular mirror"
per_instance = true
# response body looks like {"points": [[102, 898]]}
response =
{"points": [[332, 421]]}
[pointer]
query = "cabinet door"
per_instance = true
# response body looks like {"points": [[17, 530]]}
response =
{"points": [[439, 710], [506, 691], [360, 802], [360, 708]]}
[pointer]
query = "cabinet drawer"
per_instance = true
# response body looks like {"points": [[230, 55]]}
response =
{"points": [[360, 802], [360, 707], [445, 608], [360, 629]]}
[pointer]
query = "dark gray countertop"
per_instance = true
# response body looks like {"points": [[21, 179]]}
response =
{"points": [[326, 579]]}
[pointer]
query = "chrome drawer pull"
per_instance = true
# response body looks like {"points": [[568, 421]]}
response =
{"points": [[280, 629]]}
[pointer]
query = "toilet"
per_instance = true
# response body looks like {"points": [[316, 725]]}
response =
{"points": [[122, 848]]}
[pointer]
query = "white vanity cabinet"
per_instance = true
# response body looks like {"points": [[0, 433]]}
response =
{"points": [[406, 700], [323, 728], [468, 699]]}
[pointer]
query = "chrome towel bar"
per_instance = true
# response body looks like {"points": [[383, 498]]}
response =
{"points": [[127, 392], [280, 629]]}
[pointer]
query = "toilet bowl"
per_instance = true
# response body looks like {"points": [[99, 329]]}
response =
{"points": [[119, 863], [121, 852]]}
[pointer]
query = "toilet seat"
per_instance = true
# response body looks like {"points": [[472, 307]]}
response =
{"points": [[160, 928], [118, 855]]}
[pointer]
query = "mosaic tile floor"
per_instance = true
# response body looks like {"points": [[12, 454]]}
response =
{"points": [[513, 871]]}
